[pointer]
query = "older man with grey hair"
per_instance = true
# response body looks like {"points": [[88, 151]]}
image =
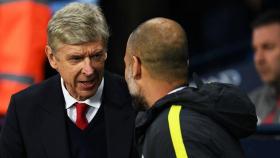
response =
{"points": [[82, 112]]}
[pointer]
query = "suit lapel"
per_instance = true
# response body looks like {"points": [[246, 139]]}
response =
{"points": [[53, 123], [119, 119]]}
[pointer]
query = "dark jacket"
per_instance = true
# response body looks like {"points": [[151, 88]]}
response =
{"points": [[212, 119], [35, 125]]}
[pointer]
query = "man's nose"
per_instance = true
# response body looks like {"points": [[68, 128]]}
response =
{"points": [[87, 67], [259, 56]]}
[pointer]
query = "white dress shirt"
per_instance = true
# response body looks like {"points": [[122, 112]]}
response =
{"points": [[93, 102]]}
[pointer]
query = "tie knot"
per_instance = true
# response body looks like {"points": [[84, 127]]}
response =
{"points": [[81, 108]]}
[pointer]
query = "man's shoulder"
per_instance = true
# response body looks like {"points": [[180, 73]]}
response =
{"points": [[38, 89], [115, 84], [114, 79], [116, 90], [27, 100], [186, 117], [196, 124], [194, 127]]}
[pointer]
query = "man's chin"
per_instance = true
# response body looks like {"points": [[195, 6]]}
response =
{"points": [[85, 95]]}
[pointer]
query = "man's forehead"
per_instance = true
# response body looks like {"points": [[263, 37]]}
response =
{"points": [[268, 28], [268, 32], [89, 46]]}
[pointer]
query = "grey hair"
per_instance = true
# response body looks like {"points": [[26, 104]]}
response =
{"points": [[77, 23]]}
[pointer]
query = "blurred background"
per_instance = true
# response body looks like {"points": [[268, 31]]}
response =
{"points": [[218, 31]]}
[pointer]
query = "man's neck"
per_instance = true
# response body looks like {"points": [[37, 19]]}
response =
{"points": [[157, 89]]}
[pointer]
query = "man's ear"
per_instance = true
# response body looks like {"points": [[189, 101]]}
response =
{"points": [[52, 59], [136, 67]]}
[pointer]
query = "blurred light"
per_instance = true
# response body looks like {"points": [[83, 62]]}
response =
{"points": [[89, 1], [56, 5]]}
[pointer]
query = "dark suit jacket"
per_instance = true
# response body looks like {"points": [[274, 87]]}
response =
{"points": [[35, 125]]}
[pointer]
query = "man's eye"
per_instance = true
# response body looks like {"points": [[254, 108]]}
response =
{"points": [[96, 57], [75, 58], [268, 46]]}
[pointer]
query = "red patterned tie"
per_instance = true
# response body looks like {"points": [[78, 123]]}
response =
{"points": [[81, 121]]}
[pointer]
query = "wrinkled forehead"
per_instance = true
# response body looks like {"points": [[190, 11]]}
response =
{"points": [[98, 43], [88, 47]]}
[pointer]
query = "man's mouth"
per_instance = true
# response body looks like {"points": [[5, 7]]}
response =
{"points": [[87, 84], [262, 69]]}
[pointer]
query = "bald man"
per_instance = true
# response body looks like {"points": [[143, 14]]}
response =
{"points": [[177, 120]]}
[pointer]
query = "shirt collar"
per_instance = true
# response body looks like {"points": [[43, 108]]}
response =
{"points": [[94, 101], [177, 89]]}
